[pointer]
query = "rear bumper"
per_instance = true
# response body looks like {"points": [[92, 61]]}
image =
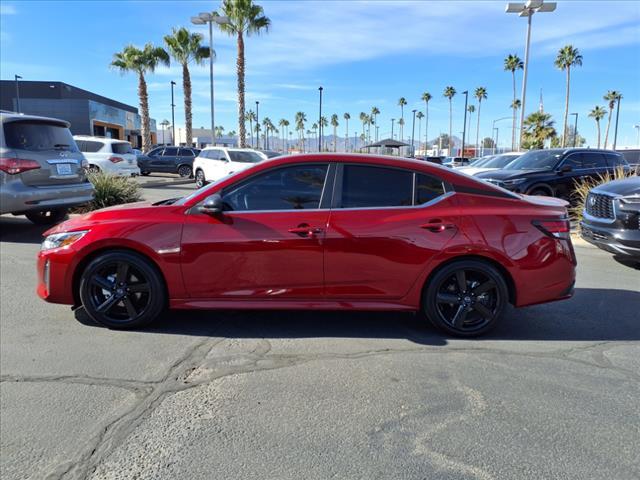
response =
{"points": [[617, 241], [16, 197]]}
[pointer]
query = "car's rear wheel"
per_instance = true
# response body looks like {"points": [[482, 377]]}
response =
{"points": [[94, 169], [200, 179], [144, 173], [466, 298], [122, 290], [539, 192], [47, 217], [185, 171]]}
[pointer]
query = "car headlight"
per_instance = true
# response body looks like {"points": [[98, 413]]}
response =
{"points": [[59, 240], [631, 200], [515, 181]]}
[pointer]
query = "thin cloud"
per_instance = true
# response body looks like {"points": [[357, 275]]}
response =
{"points": [[7, 9]]}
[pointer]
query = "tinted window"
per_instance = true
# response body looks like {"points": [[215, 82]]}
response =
{"points": [[593, 160], [537, 159], [121, 148], [38, 136], [244, 157], [574, 161], [364, 186], [632, 156], [185, 152], [214, 154], [89, 146], [427, 188], [156, 151], [614, 160], [170, 152], [296, 187]]}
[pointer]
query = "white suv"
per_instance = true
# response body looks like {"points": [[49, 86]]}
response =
{"points": [[108, 155], [214, 163]]}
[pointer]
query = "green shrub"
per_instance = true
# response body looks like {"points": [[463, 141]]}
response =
{"points": [[111, 190]]}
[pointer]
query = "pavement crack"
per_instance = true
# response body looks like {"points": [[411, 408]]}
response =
{"points": [[132, 385]]}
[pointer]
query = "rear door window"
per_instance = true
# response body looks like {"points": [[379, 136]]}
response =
{"points": [[90, 146], [121, 148], [428, 188], [170, 152], [38, 136], [368, 187], [593, 160], [574, 161]]}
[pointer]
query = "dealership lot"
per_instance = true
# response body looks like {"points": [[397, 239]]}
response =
{"points": [[551, 393]]}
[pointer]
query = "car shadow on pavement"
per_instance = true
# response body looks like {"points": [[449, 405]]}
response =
{"points": [[591, 315], [20, 230]]}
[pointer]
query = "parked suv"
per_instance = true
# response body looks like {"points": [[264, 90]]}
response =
{"points": [[554, 171], [455, 162], [42, 172], [611, 218], [213, 163], [108, 155], [169, 160]]}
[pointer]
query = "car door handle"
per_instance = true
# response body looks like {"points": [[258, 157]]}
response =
{"points": [[305, 230], [437, 226]]}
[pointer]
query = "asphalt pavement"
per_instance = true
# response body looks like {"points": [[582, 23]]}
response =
{"points": [[552, 393]]}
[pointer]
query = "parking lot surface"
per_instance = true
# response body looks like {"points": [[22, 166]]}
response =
{"points": [[551, 393]]}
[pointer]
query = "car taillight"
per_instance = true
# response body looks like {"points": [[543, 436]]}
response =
{"points": [[557, 228], [116, 159], [13, 166]]}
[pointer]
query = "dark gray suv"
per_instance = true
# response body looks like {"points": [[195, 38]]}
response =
{"points": [[169, 160], [42, 172]]}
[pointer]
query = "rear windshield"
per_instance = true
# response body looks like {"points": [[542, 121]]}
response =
{"points": [[121, 148], [244, 157], [38, 136]]}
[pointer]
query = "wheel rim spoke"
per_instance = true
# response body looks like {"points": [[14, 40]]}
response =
{"points": [[105, 306], [460, 316], [482, 310], [131, 309], [123, 269], [449, 298], [461, 279], [484, 287], [139, 288], [102, 282]]}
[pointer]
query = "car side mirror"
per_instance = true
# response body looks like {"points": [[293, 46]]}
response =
{"points": [[212, 205], [565, 169]]}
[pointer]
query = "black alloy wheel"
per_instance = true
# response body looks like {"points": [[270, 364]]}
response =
{"points": [[184, 171], [47, 217], [466, 298], [122, 290], [200, 180]]}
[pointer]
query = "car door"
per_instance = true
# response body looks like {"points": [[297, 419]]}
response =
{"points": [[385, 226], [567, 173], [167, 162], [186, 157], [267, 244]]}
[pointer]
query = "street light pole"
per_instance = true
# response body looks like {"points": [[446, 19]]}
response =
{"points": [[173, 116], [320, 122], [527, 9], [495, 143], [575, 129], [393, 120], [615, 135], [464, 123], [16, 78], [413, 132], [493, 126], [257, 125], [637, 127]]}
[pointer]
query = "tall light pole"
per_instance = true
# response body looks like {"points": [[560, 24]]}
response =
{"points": [[393, 121], [496, 130], [257, 125], [320, 122], [202, 19], [637, 127], [16, 78], [493, 126], [464, 123], [615, 135], [527, 9], [413, 132], [173, 116], [575, 128]]}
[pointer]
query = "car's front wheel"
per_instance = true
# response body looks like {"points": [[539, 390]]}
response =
{"points": [[122, 290], [47, 217], [466, 298], [144, 173], [184, 171], [200, 179]]}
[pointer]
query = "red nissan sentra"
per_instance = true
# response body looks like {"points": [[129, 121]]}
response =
{"points": [[324, 231]]}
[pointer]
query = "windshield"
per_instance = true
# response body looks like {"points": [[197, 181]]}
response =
{"points": [[121, 148], [500, 161], [481, 161], [36, 136], [244, 156], [537, 160]]}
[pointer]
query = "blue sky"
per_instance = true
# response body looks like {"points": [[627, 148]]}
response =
{"points": [[362, 53]]}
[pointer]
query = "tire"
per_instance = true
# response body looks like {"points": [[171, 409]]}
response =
{"points": [[122, 290], [93, 169], [47, 217], [200, 180], [470, 312], [144, 173], [185, 171], [539, 192]]}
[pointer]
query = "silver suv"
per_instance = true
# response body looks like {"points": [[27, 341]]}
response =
{"points": [[42, 172]]}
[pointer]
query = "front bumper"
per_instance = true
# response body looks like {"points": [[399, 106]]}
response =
{"points": [[617, 241], [16, 197]]}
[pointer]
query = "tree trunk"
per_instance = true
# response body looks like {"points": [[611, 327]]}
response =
{"points": [[598, 125], [242, 134], [566, 110], [145, 128], [188, 123], [426, 127], [346, 137], [419, 131], [606, 132], [251, 131], [401, 125], [450, 126], [478, 125], [513, 106]]}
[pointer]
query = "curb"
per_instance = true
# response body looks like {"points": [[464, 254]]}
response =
{"points": [[161, 183]]}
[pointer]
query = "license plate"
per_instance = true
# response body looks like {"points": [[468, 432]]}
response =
{"points": [[64, 169]]}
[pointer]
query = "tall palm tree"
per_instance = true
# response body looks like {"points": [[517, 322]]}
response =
{"points": [[598, 113], [470, 109], [186, 47], [346, 117], [567, 57], [141, 62], [301, 117], [315, 129], [402, 102], [375, 111], [420, 116], [283, 123], [323, 123], [449, 93], [245, 18], [481, 94], [538, 128], [218, 130], [250, 116], [164, 124], [515, 105], [401, 125], [426, 97], [511, 64], [364, 119], [334, 124], [612, 97]]}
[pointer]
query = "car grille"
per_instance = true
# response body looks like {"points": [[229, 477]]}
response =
{"points": [[600, 206]]}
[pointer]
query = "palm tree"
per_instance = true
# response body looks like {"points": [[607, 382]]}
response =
{"points": [[250, 116], [538, 128], [323, 123], [334, 124], [245, 18], [449, 93], [598, 113], [186, 47], [164, 124], [283, 123], [364, 119], [401, 125], [314, 127], [420, 116], [218, 130], [511, 64], [470, 109], [346, 117], [612, 97], [481, 94], [402, 102], [426, 96], [301, 117], [375, 111], [568, 57], [141, 62]]}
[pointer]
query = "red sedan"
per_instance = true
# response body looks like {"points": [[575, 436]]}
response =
{"points": [[324, 231]]}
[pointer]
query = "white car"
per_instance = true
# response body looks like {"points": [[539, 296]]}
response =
{"points": [[495, 163], [108, 155], [214, 163]]}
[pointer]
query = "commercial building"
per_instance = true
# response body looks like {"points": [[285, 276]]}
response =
{"points": [[87, 112]]}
